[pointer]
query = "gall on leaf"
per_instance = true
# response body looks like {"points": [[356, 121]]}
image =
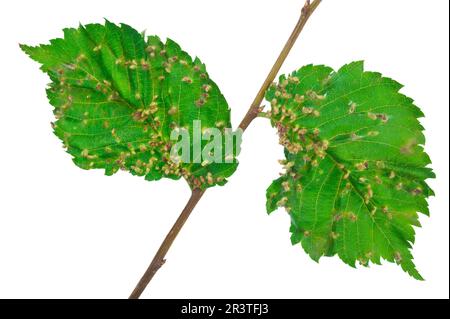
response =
{"points": [[117, 96], [357, 168]]}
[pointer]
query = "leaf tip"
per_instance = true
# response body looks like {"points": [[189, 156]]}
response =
{"points": [[415, 274], [25, 48], [28, 50]]}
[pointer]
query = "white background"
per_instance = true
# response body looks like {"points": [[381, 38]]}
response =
{"points": [[69, 233]]}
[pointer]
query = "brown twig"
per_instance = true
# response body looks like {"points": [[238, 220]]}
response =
{"points": [[159, 260], [252, 113]]}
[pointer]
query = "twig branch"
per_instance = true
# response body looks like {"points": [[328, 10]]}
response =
{"points": [[252, 113], [307, 11], [159, 260]]}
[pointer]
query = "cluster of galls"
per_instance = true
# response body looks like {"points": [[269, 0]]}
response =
{"points": [[193, 75], [203, 182], [150, 156], [143, 114], [159, 149], [286, 110], [306, 149]]}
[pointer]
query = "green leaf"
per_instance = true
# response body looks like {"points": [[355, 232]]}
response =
{"points": [[355, 168], [118, 95]]}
